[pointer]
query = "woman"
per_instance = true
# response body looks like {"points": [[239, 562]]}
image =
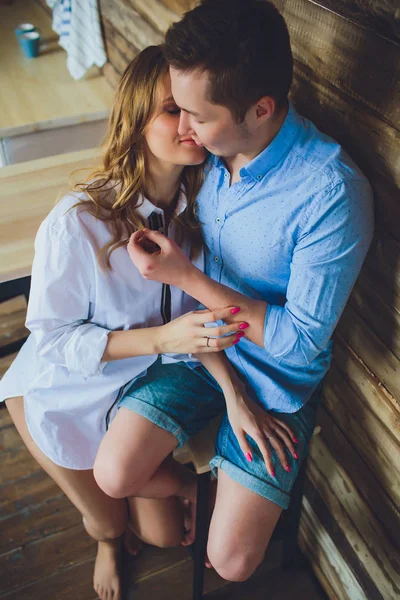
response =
{"points": [[96, 324]]}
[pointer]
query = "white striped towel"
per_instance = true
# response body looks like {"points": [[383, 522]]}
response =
{"points": [[77, 22]]}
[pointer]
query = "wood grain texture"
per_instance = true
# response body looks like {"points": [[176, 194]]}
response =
{"points": [[130, 24], [343, 53], [40, 559], [375, 444], [370, 141], [156, 13], [119, 51], [362, 477], [368, 386], [180, 6], [351, 514], [383, 319], [381, 16], [371, 350], [332, 570], [34, 187]]}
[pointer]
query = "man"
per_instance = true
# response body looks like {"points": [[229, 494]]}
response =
{"points": [[287, 220]]}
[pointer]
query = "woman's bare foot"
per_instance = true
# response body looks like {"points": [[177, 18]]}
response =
{"points": [[189, 522], [190, 506], [132, 543], [107, 577]]}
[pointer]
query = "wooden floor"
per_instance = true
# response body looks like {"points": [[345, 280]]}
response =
{"points": [[45, 553]]}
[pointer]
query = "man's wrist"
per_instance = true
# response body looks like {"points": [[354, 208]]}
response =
{"points": [[158, 340], [189, 279]]}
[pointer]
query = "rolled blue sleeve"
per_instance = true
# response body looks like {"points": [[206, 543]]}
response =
{"points": [[327, 259]]}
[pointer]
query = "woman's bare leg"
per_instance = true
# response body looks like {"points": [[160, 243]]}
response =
{"points": [[159, 522], [105, 519]]}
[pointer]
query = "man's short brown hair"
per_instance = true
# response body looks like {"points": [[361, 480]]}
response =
{"points": [[243, 45]]}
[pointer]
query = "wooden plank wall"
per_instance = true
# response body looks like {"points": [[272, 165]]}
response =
{"points": [[347, 80]]}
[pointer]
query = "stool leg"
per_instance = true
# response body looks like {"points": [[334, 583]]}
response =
{"points": [[292, 520], [8, 290], [200, 544]]}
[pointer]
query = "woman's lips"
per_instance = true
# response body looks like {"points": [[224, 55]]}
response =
{"points": [[192, 142], [189, 142]]}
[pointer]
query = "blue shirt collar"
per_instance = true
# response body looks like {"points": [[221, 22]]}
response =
{"points": [[273, 153]]}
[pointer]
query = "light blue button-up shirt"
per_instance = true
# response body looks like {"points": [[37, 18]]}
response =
{"points": [[293, 232]]}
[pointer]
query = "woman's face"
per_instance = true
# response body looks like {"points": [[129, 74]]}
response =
{"points": [[163, 140]]}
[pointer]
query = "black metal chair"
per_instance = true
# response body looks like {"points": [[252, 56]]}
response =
{"points": [[8, 290]]}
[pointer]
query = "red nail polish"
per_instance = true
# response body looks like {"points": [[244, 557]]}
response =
{"points": [[235, 310], [249, 456], [296, 441], [295, 455], [287, 469], [235, 342], [239, 335], [243, 325], [273, 473]]}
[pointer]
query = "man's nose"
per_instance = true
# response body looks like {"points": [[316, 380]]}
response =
{"points": [[183, 127]]}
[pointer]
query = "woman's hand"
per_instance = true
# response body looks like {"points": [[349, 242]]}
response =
{"points": [[246, 417], [158, 258], [187, 334]]}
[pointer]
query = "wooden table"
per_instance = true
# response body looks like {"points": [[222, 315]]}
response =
{"points": [[28, 191], [39, 93]]}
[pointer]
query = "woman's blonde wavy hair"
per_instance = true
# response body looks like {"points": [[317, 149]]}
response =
{"points": [[116, 189]]}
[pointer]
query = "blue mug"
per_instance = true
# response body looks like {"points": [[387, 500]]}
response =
{"points": [[30, 43], [25, 28]]}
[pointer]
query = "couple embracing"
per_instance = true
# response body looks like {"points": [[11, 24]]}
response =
{"points": [[201, 270]]}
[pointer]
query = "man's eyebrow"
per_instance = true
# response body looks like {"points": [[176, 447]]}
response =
{"points": [[191, 112]]}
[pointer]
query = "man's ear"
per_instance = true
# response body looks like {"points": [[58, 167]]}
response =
{"points": [[265, 108]]}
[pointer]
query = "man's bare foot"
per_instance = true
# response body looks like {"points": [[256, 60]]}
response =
{"points": [[107, 577], [132, 543]]}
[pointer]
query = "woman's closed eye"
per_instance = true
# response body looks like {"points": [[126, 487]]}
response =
{"points": [[173, 110]]}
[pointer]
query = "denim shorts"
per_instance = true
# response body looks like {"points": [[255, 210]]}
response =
{"points": [[182, 400]]}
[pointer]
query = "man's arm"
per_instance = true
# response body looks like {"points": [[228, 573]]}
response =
{"points": [[331, 246], [215, 295], [170, 265]]}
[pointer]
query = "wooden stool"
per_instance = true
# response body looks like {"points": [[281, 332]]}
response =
{"points": [[199, 450]]}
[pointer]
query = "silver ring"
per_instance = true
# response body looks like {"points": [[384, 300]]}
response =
{"points": [[208, 345]]}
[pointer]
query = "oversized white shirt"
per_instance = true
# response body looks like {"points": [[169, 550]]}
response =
{"points": [[74, 304]]}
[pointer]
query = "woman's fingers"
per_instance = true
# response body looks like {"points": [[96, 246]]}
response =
{"points": [[244, 444], [279, 448], [286, 427], [265, 451], [216, 315], [211, 344], [286, 439]]}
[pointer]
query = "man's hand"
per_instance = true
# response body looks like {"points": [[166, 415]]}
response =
{"points": [[158, 258]]}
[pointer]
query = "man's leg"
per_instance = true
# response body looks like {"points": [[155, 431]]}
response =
{"points": [[249, 500], [134, 460], [241, 528]]}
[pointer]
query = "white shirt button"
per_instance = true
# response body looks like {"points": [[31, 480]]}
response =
{"points": [[217, 220], [216, 258]]}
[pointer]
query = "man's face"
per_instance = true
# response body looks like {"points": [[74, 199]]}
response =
{"points": [[210, 125]]}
